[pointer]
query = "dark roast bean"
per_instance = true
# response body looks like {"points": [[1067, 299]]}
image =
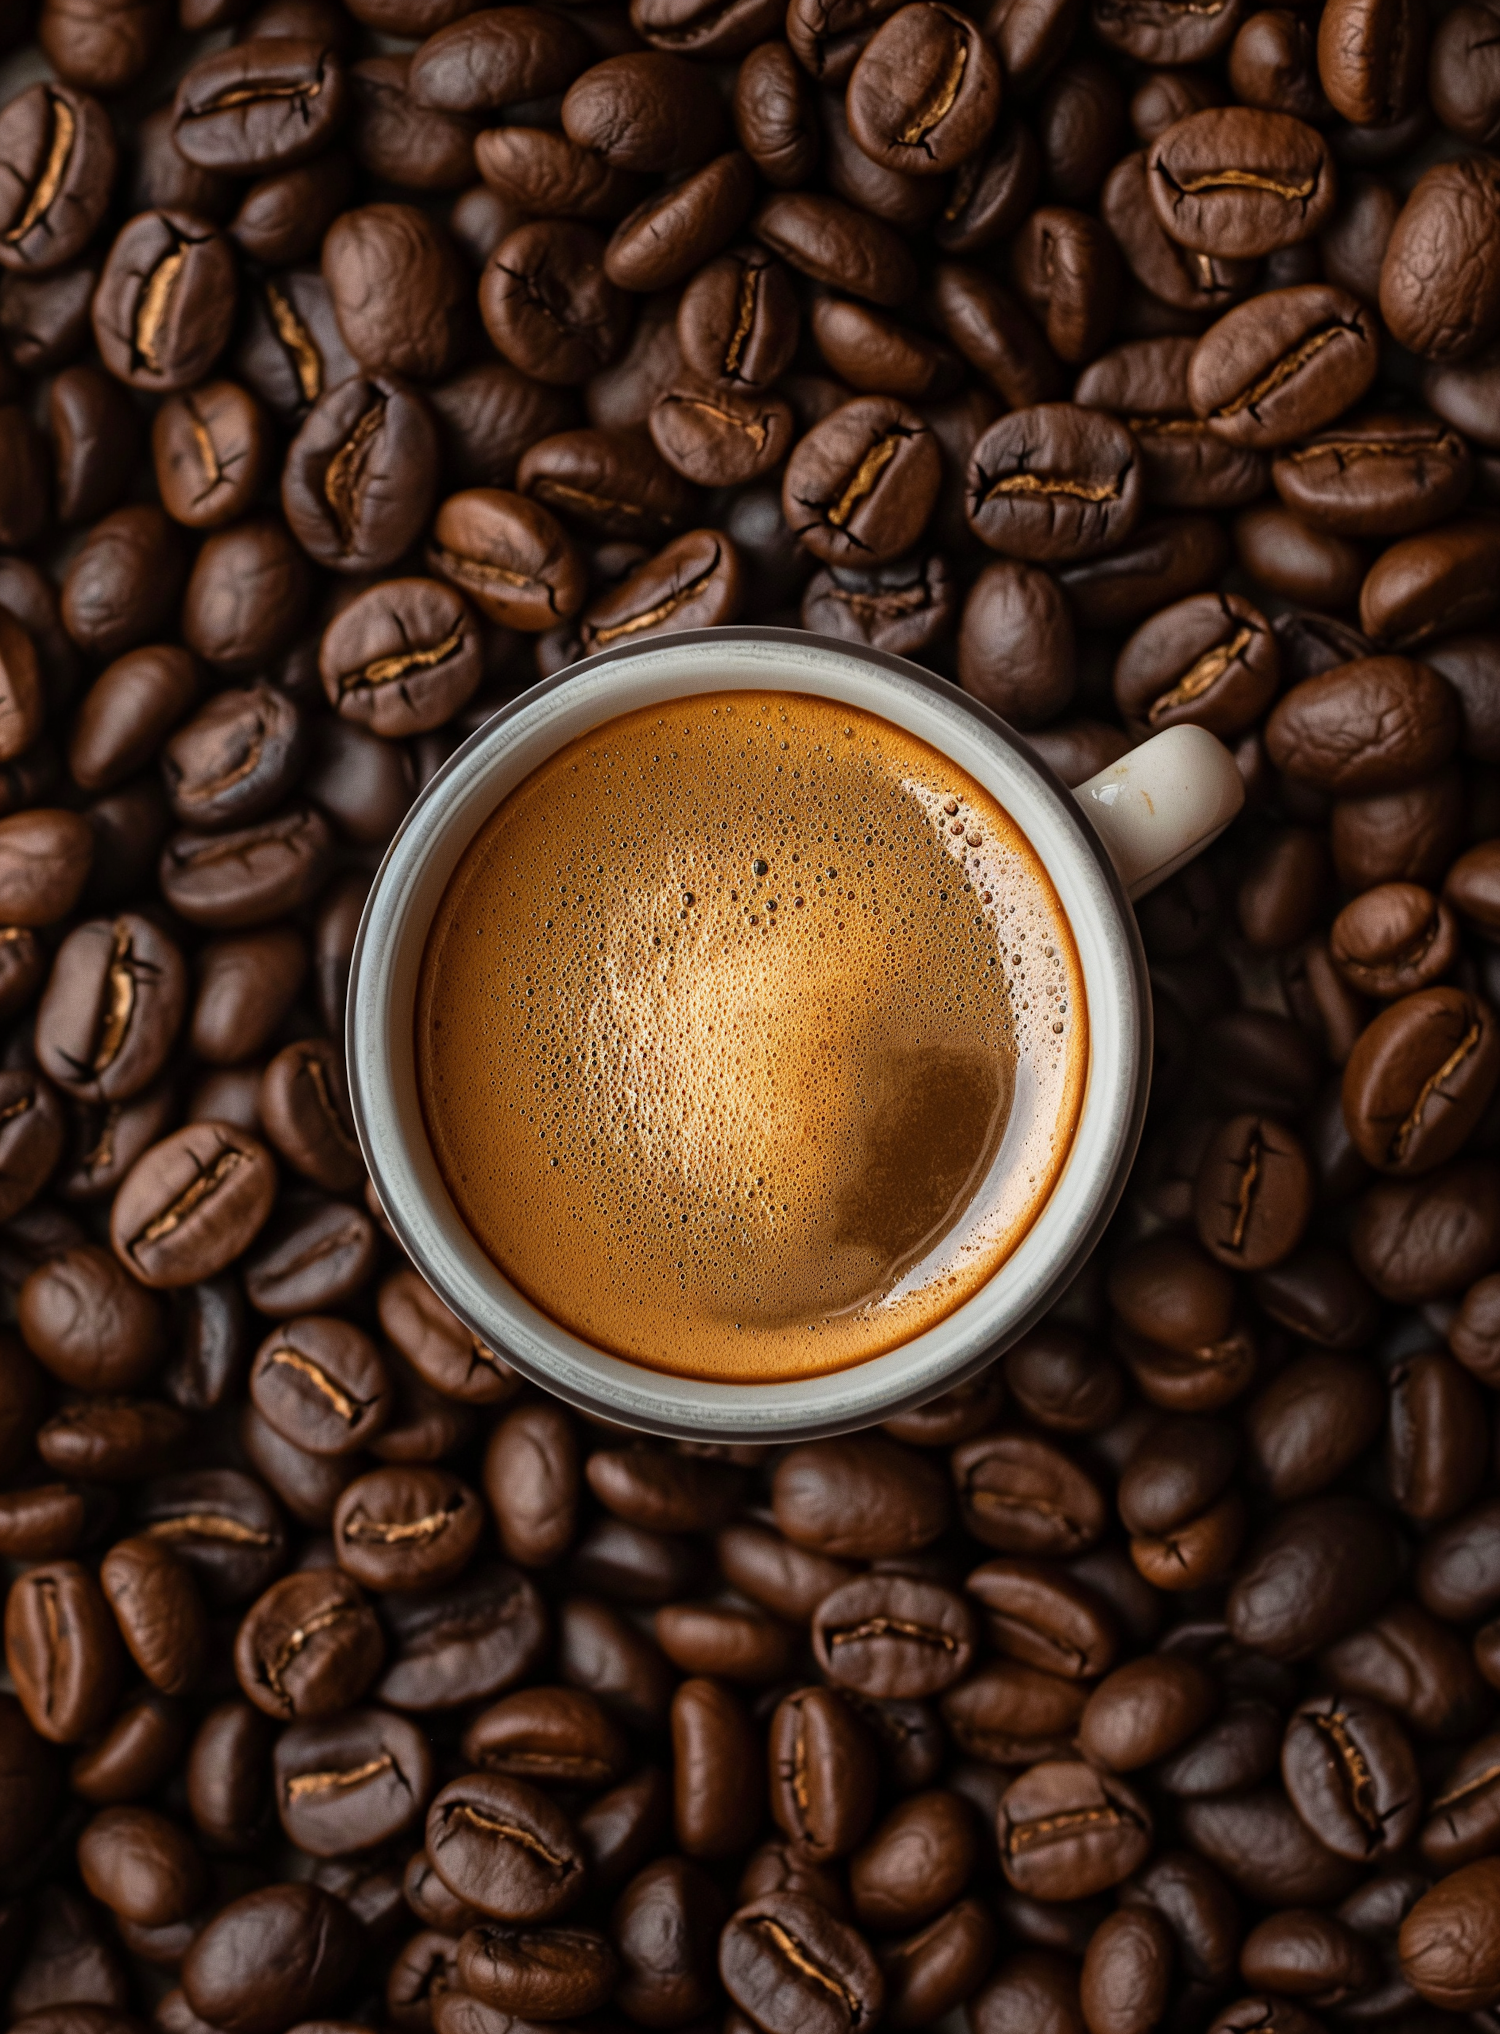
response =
{"points": [[396, 290], [159, 1611], [259, 105], [1235, 182], [1450, 1941], [1439, 284], [1382, 476], [165, 302], [504, 1849], [665, 1928], [890, 1635], [63, 1651], [361, 474], [138, 1752], [209, 451], [222, 1524], [112, 1008], [823, 1767], [1066, 1831], [1254, 1193], [321, 1384], [464, 1643], [272, 1957], [694, 582], [1351, 1776], [191, 1204], [859, 488], [1023, 1496], [1463, 1814], [925, 92], [791, 1965], [235, 759], [1210, 661], [1324, 1567], [308, 1647], [406, 1528], [1053, 483], [249, 876], [351, 1782], [401, 657], [1273, 371], [917, 1862]]}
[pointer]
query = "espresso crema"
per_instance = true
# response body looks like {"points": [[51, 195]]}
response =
{"points": [[751, 1037]]}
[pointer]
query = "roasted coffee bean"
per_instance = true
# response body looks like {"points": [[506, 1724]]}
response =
{"points": [[249, 876], [1066, 1831], [1272, 371], [401, 657], [352, 1782], [96, 438], [504, 1849], [925, 91], [548, 305], [209, 450], [165, 302], [309, 1646], [510, 556], [860, 486], [860, 1497], [1351, 1776], [464, 1643], [314, 1257], [361, 475], [406, 1528], [1322, 1569], [1311, 1421], [917, 1862], [1462, 1815], [1381, 476], [235, 759], [1253, 1194], [279, 1954], [1211, 661], [321, 1384], [222, 1524], [892, 1635], [260, 105], [63, 1651], [1445, 229], [694, 582], [665, 1928], [112, 1008], [823, 1768], [191, 1204], [1237, 183], [58, 149], [1053, 483], [141, 1748], [550, 1736], [1450, 1942], [159, 1611], [788, 1963], [304, 1107], [89, 1323], [1025, 1497], [394, 283]]}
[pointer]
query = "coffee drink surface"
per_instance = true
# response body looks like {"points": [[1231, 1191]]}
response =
{"points": [[751, 1036]]}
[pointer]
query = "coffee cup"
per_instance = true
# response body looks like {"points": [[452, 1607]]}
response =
{"points": [[1102, 845]]}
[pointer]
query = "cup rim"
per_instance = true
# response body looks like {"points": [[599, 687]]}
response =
{"points": [[379, 1037]]}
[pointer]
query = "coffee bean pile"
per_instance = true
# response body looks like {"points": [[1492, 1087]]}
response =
{"points": [[1127, 363]]}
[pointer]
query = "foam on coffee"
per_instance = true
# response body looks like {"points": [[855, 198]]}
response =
{"points": [[751, 1036]]}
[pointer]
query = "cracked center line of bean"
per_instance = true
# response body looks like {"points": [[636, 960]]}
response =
{"points": [[390, 670], [192, 1197], [939, 101], [64, 127], [1282, 372], [301, 1785], [1412, 1122], [348, 1409]]}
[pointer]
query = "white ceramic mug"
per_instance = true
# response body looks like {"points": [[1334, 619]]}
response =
{"points": [[1109, 841]]}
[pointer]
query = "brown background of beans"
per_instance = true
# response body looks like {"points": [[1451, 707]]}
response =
{"points": [[1126, 363]]}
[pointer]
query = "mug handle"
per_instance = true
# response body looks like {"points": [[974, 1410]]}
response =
{"points": [[1161, 804]]}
